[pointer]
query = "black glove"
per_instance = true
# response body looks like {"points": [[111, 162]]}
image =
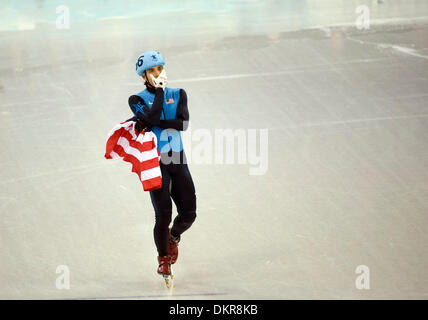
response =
{"points": [[142, 125]]}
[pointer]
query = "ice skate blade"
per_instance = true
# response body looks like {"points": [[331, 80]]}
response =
{"points": [[169, 280]]}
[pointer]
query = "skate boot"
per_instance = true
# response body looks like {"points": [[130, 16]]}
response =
{"points": [[164, 269], [173, 247]]}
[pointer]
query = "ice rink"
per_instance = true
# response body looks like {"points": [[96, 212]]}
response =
{"points": [[346, 111]]}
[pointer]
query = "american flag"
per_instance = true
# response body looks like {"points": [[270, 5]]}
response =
{"points": [[138, 149]]}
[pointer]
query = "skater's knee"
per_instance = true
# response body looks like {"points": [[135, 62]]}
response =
{"points": [[186, 219], [192, 215], [187, 208], [189, 217]]}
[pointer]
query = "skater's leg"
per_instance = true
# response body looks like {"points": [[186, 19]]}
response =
{"points": [[183, 194], [162, 204]]}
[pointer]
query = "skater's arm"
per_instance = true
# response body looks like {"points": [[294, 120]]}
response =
{"points": [[152, 115], [182, 119]]}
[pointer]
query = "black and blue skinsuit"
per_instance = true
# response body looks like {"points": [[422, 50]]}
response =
{"points": [[159, 110]]}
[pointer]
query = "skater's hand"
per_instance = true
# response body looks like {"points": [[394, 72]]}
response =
{"points": [[141, 125], [160, 81]]}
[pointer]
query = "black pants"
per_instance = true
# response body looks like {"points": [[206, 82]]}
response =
{"points": [[177, 184]]}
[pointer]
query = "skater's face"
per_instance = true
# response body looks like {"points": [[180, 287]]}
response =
{"points": [[155, 71]]}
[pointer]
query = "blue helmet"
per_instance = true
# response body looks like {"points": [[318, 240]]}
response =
{"points": [[148, 60]]}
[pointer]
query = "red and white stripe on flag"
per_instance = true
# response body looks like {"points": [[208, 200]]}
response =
{"points": [[140, 150]]}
